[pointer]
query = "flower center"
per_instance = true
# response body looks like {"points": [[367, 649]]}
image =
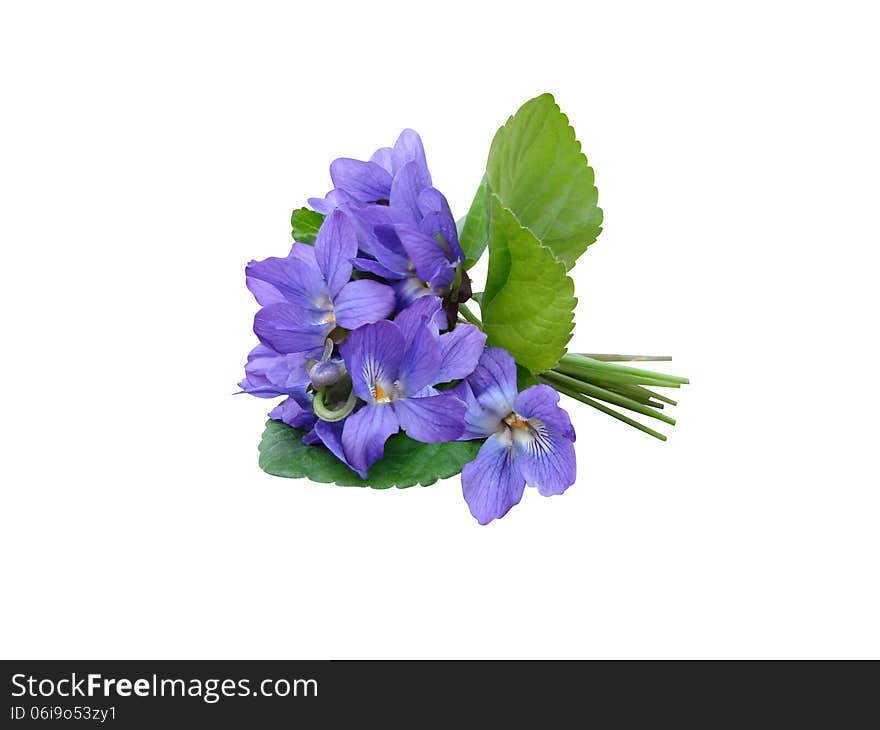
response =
{"points": [[514, 420], [379, 394], [325, 303], [527, 433]]}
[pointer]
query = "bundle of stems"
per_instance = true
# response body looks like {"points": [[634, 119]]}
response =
{"points": [[600, 381]]}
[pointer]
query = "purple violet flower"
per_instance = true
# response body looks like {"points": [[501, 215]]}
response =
{"points": [[393, 367], [529, 438], [416, 264], [383, 218], [296, 411], [308, 294], [363, 183], [460, 349], [269, 374], [405, 228]]}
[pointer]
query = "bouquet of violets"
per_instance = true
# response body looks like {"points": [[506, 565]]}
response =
{"points": [[369, 329]]}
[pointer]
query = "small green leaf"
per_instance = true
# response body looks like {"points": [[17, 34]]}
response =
{"points": [[537, 168], [405, 464], [305, 224], [475, 233], [528, 305]]}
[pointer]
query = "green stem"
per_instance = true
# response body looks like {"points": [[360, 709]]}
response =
{"points": [[580, 361], [578, 370], [605, 409], [636, 392], [469, 315], [327, 414], [663, 398], [625, 358], [608, 396]]}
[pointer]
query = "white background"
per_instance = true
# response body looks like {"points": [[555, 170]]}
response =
{"points": [[149, 150]]}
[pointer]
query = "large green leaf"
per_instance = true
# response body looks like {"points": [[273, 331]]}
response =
{"points": [[528, 305], [305, 223], [537, 168], [405, 464], [475, 234]]}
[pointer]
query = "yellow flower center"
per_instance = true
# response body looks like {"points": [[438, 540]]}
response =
{"points": [[514, 420], [379, 394]]}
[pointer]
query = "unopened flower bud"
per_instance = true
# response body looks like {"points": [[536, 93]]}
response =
{"points": [[325, 373]]}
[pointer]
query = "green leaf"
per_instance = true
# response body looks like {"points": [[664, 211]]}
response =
{"points": [[405, 464], [537, 168], [475, 233], [528, 305], [305, 224]]}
